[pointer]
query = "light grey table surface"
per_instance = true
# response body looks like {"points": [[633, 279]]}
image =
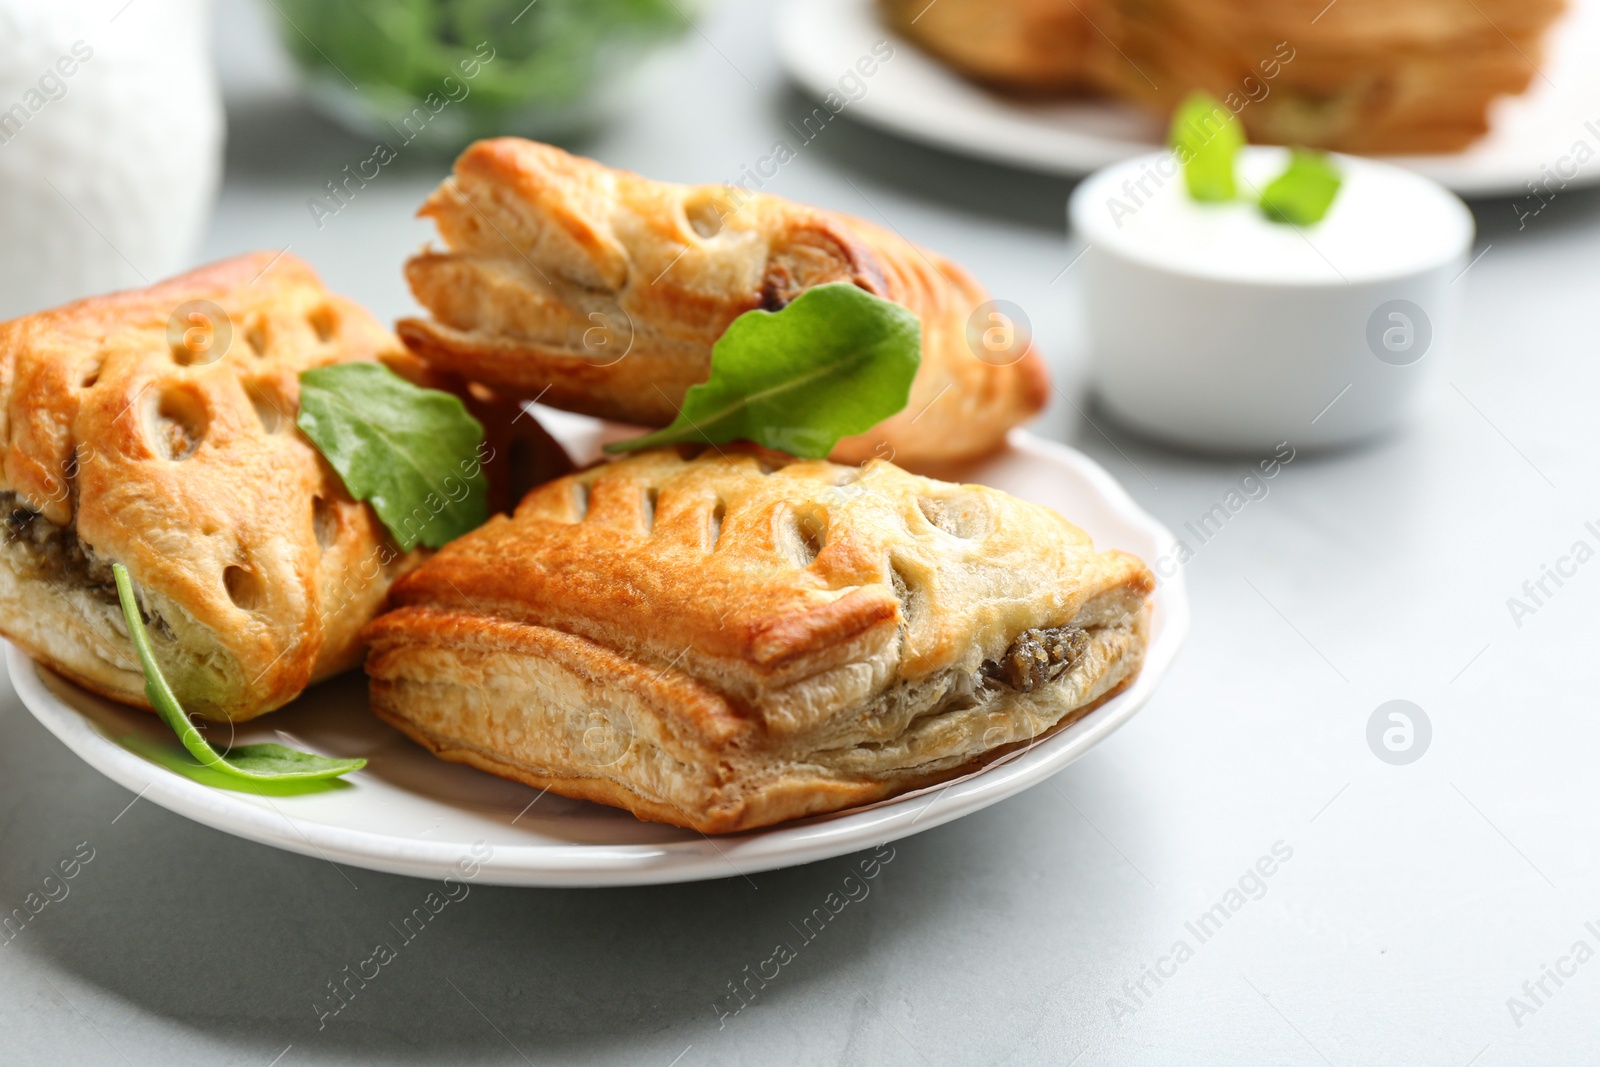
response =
{"points": [[1415, 900]]}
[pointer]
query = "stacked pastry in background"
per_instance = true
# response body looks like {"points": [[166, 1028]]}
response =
{"points": [[1025, 46], [1367, 76]]}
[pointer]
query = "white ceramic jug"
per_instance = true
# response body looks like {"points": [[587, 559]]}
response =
{"points": [[110, 145]]}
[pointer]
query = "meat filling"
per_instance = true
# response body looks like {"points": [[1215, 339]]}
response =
{"points": [[53, 553], [1038, 657]]}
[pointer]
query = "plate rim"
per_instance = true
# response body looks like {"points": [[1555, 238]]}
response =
{"points": [[1456, 171], [586, 865]]}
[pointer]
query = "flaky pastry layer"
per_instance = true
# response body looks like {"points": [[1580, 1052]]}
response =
{"points": [[733, 640], [602, 292]]}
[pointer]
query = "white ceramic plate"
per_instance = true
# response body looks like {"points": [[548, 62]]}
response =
{"points": [[917, 97], [409, 813]]}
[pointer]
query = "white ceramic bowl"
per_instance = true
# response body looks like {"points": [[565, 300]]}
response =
{"points": [[1213, 328]]}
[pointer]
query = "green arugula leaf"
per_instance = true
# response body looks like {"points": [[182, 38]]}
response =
{"points": [[835, 362], [176, 759], [265, 762], [412, 453], [1206, 137], [1302, 194]]}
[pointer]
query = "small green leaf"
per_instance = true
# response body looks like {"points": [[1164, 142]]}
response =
{"points": [[175, 758], [1302, 194], [1206, 137], [412, 453], [271, 760], [265, 762], [835, 362]]}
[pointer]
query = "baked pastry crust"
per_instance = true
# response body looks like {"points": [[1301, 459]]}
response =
{"points": [[1021, 46], [1365, 76], [256, 567], [1374, 76], [736, 639], [602, 292]]}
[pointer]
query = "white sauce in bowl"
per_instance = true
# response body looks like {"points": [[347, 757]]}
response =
{"points": [[1385, 222]]}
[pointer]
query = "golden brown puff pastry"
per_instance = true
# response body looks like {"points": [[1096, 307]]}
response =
{"points": [[1369, 76], [258, 570], [602, 292], [732, 640], [1022, 46]]}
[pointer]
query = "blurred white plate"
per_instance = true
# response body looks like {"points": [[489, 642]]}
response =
{"points": [[917, 97], [409, 813]]}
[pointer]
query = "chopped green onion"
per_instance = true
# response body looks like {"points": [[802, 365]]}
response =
{"points": [[1206, 137], [1302, 194]]}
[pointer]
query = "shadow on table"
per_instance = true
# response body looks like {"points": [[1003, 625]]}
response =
{"points": [[1159, 475], [1534, 216]]}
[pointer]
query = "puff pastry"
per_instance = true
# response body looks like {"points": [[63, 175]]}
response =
{"points": [[602, 292], [119, 445], [1371, 76], [731, 640], [1022, 46], [1366, 76]]}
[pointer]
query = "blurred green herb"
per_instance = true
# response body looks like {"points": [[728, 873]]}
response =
{"points": [[837, 361], [1304, 192], [265, 762], [509, 54], [1206, 137]]}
